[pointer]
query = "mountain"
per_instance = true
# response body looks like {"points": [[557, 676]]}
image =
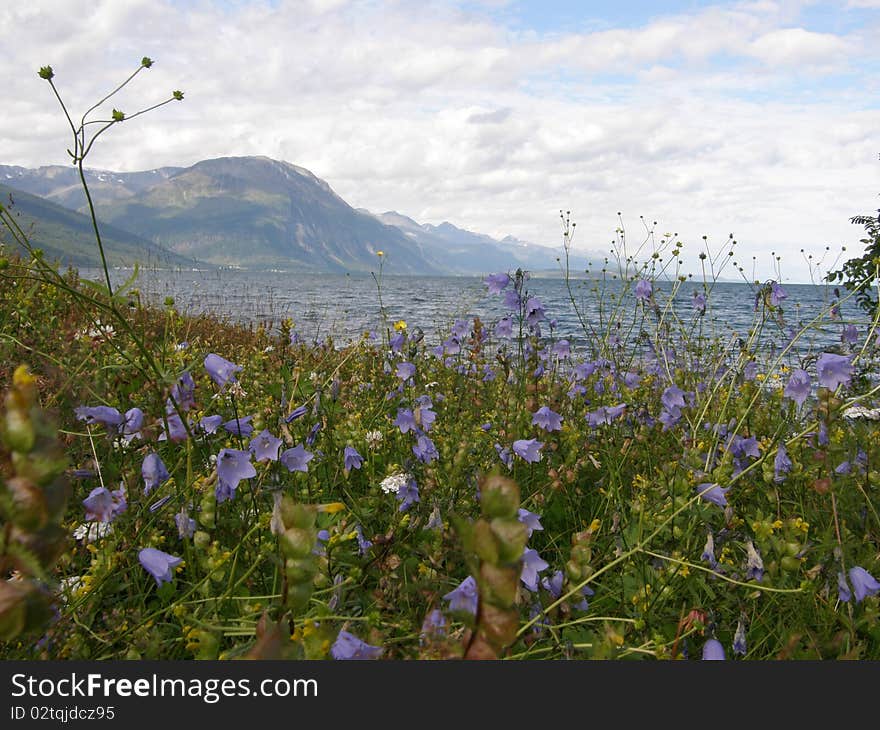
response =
{"points": [[67, 236], [255, 212]]}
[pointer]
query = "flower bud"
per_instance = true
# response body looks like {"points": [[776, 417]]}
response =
{"points": [[499, 497], [301, 570], [27, 504], [297, 542]]}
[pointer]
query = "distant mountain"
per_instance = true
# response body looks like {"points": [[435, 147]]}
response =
{"points": [[255, 212], [67, 236]]}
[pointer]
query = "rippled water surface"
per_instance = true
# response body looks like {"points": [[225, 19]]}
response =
{"points": [[345, 306]]}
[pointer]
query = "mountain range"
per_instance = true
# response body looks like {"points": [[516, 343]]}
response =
{"points": [[247, 212]]}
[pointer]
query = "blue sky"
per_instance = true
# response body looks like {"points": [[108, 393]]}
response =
{"points": [[758, 117]]}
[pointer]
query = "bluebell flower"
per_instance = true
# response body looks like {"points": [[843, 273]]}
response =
{"points": [[363, 543], [497, 282], [843, 468], [850, 334], [843, 592], [782, 465], [239, 426], [631, 380], [232, 466], [405, 420], [863, 583], [532, 564], [464, 597], [209, 424], [530, 520], [297, 458], [504, 328], [433, 627], [298, 412], [265, 446], [351, 458], [407, 495], [798, 387], [713, 493], [132, 423], [712, 650], [104, 415], [183, 391], [221, 370], [528, 449], [512, 299], [739, 638], [534, 311], [186, 525], [583, 604], [158, 564], [562, 349], [153, 472], [461, 329], [425, 416], [349, 646], [670, 418], [754, 563], [553, 583], [709, 551], [160, 503], [176, 430], [405, 370], [777, 294], [313, 433], [833, 370], [643, 290], [424, 450], [698, 302], [673, 397], [750, 370], [397, 340], [505, 455], [547, 419], [102, 505]]}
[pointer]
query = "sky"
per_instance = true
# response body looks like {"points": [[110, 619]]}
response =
{"points": [[759, 119]]}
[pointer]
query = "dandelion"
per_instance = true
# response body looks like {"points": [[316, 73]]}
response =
{"points": [[221, 370], [464, 597], [528, 449], [297, 458], [349, 646], [158, 564]]}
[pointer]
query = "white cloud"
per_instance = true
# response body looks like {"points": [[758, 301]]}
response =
{"points": [[707, 122]]}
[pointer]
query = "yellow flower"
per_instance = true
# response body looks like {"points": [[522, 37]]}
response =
{"points": [[400, 325], [380, 253]]}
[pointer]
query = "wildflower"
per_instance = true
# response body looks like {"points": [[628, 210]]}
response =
{"points": [[405, 420], [583, 604], [232, 466], [739, 638], [464, 598], [505, 455], [777, 294], [183, 391], [265, 446], [843, 592], [160, 503], [373, 439], [843, 468], [709, 552], [553, 584], [349, 646], [313, 433], [713, 493], [512, 299], [532, 564], [158, 564], [712, 650], [631, 380], [425, 450], [153, 472], [850, 334], [698, 302], [209, 424], [504, 328], [547, 419], [781, 464], [833, 370], [530, 520], [497, 282], [104, 505], [452, 346], [352, 459], [863, 583], [798, 387], [750, 370], [186, 525], [407, 495], [221, 370], [754, 564], [92, 531], [397, 341], [132, 423], [363, 543], [435, 521], [534, 311], [103, 415], [673, 397], [528, 449], [461, 329], [296, 413], [433, 627], [392, 484], [561, 349], [669, 418], [239, 426], [297, 458], [643, 290], [176, 430], [405, 370]]}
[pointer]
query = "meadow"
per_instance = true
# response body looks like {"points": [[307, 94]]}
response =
{"points": [[179, 487]]}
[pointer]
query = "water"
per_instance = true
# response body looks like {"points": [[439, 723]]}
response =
{"points": [[346, 306]]}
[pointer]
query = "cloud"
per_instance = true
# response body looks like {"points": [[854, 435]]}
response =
{"points": [[734, 118]]}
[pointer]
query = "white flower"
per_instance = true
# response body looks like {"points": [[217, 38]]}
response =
{"points": [[269, 348], [373, 438], [393, 483], [856, 412], [69, 587], [92, 531]]}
